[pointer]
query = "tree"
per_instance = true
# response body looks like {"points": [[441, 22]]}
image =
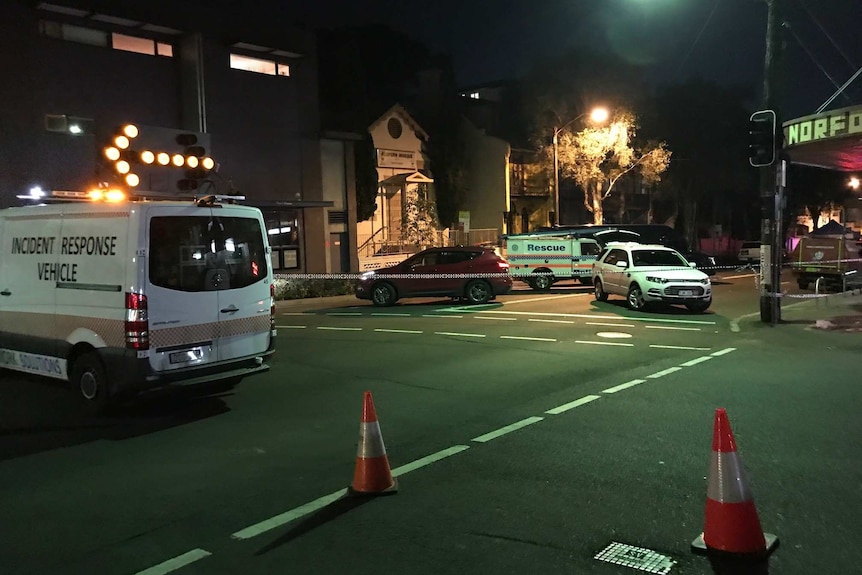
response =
{"points": [[366, 178], [419, 219], [597, 157]]}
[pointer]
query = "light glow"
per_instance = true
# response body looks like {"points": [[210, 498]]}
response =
{"points": [[116, 195], [163, 158], [130, 130], [192, 162], [854, 183], [132, 180], [112, 153], [121, 142], [148, 157], [208, 163], [178, 160], [123, 167]]}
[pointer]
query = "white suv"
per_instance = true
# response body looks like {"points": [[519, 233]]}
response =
{"points": [[646, 274]]}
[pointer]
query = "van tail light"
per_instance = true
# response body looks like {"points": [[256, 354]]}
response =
{"points": [[271, 306], [137, 322]]}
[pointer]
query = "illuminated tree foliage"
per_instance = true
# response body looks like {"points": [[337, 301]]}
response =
{"points": [[419, 219], [597, 157]]}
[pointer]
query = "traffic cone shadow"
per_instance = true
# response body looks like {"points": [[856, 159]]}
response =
{"points": [[372, 474], [731, 527]]}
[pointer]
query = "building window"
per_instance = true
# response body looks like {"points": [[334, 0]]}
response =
{"points": [[283, 228], [73, 33], [259, 65], [395, 128], [133, 44]]}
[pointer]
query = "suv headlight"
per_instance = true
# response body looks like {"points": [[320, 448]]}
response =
{"points": [[705, 281], [657, 280]]}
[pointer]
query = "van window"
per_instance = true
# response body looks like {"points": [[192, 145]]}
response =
{"points": [[202, 253]]}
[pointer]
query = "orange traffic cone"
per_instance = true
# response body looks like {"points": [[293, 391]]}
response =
{"points": [[732, 526], [372, 475]]}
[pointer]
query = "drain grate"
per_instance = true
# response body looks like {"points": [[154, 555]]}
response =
{"points": [[639, 558]]}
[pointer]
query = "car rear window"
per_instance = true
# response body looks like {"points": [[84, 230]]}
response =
{"points": [[186, 251]]}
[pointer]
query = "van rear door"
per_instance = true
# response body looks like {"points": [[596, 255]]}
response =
{"points": [[182, 294], [241, 252]]}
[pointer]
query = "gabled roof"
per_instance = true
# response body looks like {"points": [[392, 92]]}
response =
{"points": [[398, 110], [407, 178]]}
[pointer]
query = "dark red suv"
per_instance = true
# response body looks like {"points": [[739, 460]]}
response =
{"points": [[472, 273]]}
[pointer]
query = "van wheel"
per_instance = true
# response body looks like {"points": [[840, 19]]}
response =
{"points": [[635, 298], [478, 292], [88, 376], [383, 295], [599, 290], [542, 282]]}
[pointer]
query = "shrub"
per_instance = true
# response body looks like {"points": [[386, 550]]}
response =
{"points": [[299, 288]]}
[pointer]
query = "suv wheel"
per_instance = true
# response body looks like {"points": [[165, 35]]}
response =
{"points": [[635, 298], [383, 294], [599, 290], [478, 292], [542, 282]]}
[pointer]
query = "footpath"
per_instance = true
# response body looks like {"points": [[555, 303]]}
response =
{"points": [[835, 312]]}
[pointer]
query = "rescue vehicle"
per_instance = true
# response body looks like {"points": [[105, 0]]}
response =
{"points": [[540, 260], [122, 294]]}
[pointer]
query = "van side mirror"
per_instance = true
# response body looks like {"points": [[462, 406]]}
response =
{"points": [[692, 264], [622, 265]]}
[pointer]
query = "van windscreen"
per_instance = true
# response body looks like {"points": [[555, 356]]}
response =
{"points": [[202, 253]]}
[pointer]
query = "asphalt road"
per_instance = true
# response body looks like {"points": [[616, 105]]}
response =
{"points": [[526, 435]]}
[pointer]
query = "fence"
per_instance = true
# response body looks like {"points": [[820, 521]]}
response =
{"points": [[380, 243]]}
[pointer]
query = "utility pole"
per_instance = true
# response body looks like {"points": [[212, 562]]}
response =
{"points": [[772, 179]]}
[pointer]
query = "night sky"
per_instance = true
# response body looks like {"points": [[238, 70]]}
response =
{"points": [[719, 40]]}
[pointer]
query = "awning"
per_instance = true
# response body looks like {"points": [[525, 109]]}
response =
{"points": [[399, 180]]}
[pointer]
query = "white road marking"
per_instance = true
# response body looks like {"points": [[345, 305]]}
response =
{"points": [[623, 386], [428, 460], [446, 316], [508, 429], [552, 320], [527, 338], [672, 327], [348, 313], [738, 277], [573, 404], [608, 324], [177, 562], [459, 334], [339, 328], [605, 343], [664, 372], [289, 516], [391, 314], [682, 347], [694, 362], [546, 298], [596, 317], [398, 331], [291, 326], [295, 313], [723, 352], [496, 318]]}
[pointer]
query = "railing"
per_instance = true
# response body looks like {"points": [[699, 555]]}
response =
{"points": [[379, 243]]}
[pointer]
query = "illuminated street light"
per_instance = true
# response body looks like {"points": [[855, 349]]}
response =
{"points": [[853, 182], [597, 115]]}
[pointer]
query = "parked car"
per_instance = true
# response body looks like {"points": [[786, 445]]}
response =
{"points": [[646, 274], [749, 252], [471, 273]]}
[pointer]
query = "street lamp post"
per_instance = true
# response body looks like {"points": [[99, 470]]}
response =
{"points": [[597, 115]]}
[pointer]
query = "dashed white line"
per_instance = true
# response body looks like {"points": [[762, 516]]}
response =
{"points": [[605, 343], [623, 386], [682, 347], [444, 316], [289, 516], [328, 328], [291, 326], [413, 331], [455, 334], [551, 339], [295, 313], [177, 562], [573, 404], [508, 429], [346, 313], [552, 320], [723, 352], [496, 318], [672, 327], [694, 362], [664, 372], [428, 460], [609, 324], [391, 314]]}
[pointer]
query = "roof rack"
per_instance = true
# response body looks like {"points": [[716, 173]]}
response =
{"points": [[118, 195]]}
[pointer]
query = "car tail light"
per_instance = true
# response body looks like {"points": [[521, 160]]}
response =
{"points": [[137, 322], [503, 265], [271, 306]]}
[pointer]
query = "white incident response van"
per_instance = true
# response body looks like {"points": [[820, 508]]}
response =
{"points": [[125, 296], [541, 260]]}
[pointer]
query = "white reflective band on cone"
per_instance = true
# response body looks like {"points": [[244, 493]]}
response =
{"points": [[734, 488], [370, 441]]}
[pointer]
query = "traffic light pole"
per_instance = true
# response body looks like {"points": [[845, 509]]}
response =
{"points": [[771, 183]]}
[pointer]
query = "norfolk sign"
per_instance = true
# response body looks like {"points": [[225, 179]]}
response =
{"points": [[829, 125]]}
